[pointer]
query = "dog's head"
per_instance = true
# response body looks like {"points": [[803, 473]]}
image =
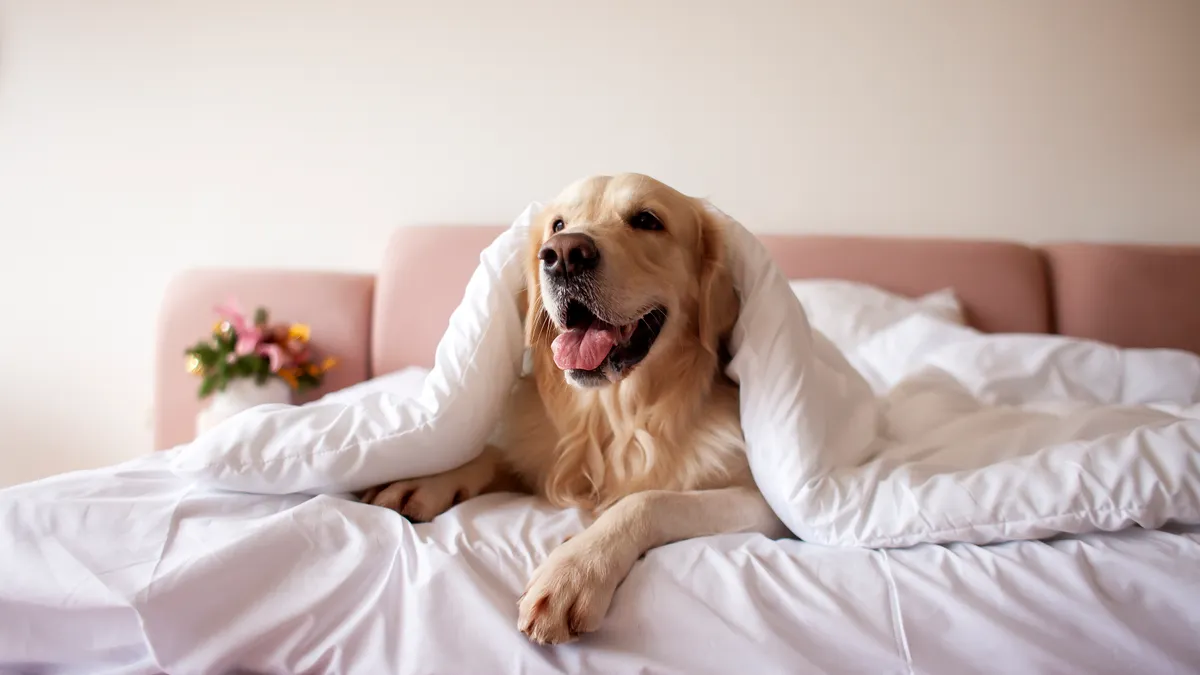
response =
{"points": [[624, 271]]}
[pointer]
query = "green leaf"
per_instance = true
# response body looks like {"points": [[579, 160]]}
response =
{"points": [[207, 355], [207, 386], [305, 382], [260, 316]]}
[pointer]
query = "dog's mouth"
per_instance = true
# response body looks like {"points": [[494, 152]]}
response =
{"points": [[594, 351]]}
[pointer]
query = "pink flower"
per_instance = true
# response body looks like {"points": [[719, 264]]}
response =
{"points": [[247, 341], [249, 335], [275, 355], [231, 311]]}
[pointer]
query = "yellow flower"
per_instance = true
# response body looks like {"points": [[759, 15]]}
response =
{"points": [[299, 332], [328, 363], [289, 376], [221, 328], [193, 365]]}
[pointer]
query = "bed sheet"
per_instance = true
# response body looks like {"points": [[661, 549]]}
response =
{"points": [[130, 569]]}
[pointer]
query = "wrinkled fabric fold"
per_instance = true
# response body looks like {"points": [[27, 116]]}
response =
{"points": [[131, 569]]}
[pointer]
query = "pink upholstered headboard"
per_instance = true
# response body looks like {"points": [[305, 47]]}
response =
{"points": [[1002, 285], [1128, 295]]}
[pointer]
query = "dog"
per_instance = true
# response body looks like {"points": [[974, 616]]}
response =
{"points": [[627, 411]]}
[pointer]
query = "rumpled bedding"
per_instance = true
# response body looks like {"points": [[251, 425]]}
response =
{"points": [[922, 433], [131, 569], [893, 458]]}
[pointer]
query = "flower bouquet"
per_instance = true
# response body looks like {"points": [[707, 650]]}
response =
{"points": [[248, 362]]}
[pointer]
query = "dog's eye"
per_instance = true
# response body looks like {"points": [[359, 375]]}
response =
{"points": [[558, 225], [645, 220]]}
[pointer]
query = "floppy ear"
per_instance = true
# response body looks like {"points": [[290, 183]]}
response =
{"points": [[718, 302]]}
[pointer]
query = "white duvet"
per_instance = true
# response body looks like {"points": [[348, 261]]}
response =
{"points": [[133, 570], [949, 455], [152, 566]]}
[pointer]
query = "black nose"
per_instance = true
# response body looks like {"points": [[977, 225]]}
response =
{"points": [[566, 255]]}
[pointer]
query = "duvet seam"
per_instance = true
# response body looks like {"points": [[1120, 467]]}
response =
{"points": [[897, 616], [905, 540]]}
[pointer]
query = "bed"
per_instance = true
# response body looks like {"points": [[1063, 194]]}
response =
{"points": [[325, 584]]}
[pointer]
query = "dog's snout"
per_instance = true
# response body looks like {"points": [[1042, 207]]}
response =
{"points": [[566, 255]]}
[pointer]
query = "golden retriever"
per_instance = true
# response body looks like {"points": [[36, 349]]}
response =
{"points": [[627, 412]]}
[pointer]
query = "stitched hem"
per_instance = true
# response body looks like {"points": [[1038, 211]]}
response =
{"points": [[1134, 513], [897, 616]]}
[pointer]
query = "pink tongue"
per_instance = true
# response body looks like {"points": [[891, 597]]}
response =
{"points": [[584, 348]]}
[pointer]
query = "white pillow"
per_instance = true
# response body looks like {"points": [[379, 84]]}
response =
{"points": [[850, 312]]}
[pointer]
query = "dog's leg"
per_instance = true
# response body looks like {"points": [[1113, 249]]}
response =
{"points": [[570, 592], [421, 499]]}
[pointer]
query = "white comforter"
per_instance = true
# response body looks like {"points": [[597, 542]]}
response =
{"points": [[132, 570], [948, 456]]}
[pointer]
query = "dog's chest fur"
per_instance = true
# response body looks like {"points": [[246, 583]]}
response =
{"points": [[590, 448]]}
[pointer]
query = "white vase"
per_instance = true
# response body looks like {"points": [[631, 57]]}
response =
{"points": [[241, 394]]}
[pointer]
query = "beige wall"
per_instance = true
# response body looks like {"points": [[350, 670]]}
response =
{"points": [[139, 138]]}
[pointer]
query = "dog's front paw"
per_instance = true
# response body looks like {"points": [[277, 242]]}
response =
{"points": [[569, 593], [421, 499]]}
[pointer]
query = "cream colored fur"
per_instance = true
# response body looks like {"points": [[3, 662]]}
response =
{"points": [[658, 453]]}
